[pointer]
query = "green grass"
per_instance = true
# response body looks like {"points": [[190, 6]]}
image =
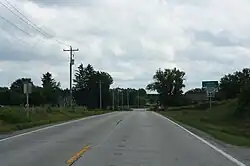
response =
{"points": [[219, 121], [15, 118]]}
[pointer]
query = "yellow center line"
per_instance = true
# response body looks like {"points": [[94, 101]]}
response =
{"points": [[77, 155]]}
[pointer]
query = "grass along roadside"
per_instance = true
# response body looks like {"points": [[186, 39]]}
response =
{"points": [[14, 118], [219, 122]]}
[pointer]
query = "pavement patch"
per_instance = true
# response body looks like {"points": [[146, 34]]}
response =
{"points": [[77, 155]]}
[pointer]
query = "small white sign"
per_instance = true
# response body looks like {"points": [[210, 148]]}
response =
{"points": [[27, 88], [210, 92]]}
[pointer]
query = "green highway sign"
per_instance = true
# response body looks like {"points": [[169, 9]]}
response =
{"points": [[210, 84]]}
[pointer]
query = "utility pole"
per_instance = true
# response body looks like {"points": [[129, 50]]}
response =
{"points": [[100, 93], [118, 97], [128, 97], [71, 63], [138, 98], [122, 100], [113, 99]]}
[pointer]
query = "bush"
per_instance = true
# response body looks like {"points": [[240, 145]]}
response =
{"points": [[243, 105], [13, 116]]}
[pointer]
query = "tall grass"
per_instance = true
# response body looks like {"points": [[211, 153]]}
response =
{"points": [[15, 118], [219, 121]]}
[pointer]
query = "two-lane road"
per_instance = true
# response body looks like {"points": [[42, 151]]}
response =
{"points": [[137, 138]]}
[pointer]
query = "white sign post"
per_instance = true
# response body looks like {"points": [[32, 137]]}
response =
{"points": [[211, 88], [27, 89], [210, 94]]}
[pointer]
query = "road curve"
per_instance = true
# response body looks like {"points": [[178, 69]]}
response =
{"points": [[136, 138]]}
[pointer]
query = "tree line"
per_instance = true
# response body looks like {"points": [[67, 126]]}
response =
{"points": [[169, 84], [88, 83]]}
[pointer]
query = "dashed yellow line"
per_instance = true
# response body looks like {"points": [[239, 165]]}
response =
{"points": [[77, 155]]}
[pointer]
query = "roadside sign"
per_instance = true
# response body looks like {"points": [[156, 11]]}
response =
{"points": [[210, 93], [211, 87], [210, 84], [27, 88]]}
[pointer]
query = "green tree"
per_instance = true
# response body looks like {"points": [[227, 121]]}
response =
{"points": [[106, 80], [195, 91], [86, 87], [168, 83], [5, 96], [244, 100], [83, 86], [51, 89], [130, 96], [230, 84], [36, 97], [16, 95], [17, 85]]}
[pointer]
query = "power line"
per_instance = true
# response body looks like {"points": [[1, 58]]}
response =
{"points": [[11, 23], [22, 41], [12, 34], [28, 22], [19, 39]]}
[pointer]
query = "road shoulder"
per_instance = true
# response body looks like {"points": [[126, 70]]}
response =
{"points": [[241, 153]]}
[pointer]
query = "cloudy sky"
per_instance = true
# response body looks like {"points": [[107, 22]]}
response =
{"points": [[130, 39]]}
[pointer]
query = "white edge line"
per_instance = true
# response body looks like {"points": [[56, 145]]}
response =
{"points": [[52, 126], [231, 158]]}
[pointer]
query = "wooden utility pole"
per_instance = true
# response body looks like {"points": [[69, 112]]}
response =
{"points": [[128, 97], [118, 97], [113, 95], [122, 101], [100, 93], [71, 63], [138, 98]]}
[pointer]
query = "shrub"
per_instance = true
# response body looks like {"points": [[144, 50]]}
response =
{"points": [[13, 116], [243, 105]]}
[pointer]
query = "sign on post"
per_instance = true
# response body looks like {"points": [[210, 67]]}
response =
{"points": [[210, 87], [210, 84], [27, 89]]}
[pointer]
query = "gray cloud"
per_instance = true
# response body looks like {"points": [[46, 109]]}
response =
{"points": [[128, 41], [203, 53], [15, 50], [52, 3], [221, 39]]}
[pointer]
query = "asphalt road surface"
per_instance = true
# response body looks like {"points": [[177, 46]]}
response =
{"points": [[136, 138]]}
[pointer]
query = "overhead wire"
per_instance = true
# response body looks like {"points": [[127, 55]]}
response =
{"points": [[29, 22], [11, 23], [19, 28], [26, 22], [19, 39]]}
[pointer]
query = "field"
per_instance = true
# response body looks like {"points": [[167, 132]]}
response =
{"points": [[16, 118], [219, 121]]}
